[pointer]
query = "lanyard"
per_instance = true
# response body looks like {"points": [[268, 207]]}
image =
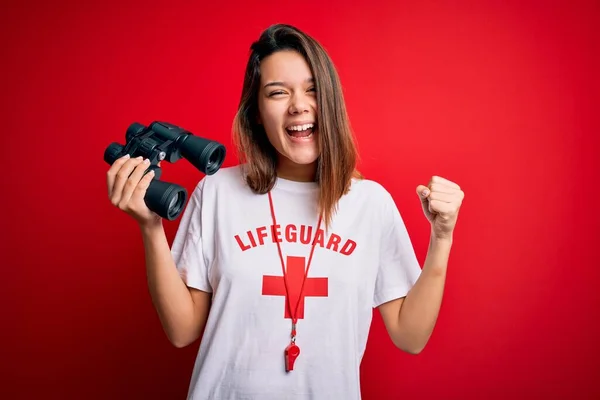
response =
{"points": [[292, 350]]}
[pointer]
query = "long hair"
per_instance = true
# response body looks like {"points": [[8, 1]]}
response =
{"points": [[338, 157]]}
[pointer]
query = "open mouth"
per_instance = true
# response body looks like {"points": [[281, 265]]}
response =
{"points": [[302, 131]]}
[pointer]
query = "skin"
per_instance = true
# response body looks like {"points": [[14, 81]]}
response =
{"points": [[410, 320], [288, 96], [183, 311]]}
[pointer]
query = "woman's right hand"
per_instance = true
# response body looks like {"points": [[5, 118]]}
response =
{"points": [[127, 187]]}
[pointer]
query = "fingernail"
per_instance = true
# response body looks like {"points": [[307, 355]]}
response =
{"points": [[126, 155], [425, 192]]}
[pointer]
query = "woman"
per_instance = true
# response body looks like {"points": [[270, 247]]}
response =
{"points": [[278, 262]]}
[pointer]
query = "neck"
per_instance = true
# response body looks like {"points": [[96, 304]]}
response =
{"points": [[296, 172]]}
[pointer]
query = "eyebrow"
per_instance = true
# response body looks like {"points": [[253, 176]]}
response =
{"points": [[279, 83]]}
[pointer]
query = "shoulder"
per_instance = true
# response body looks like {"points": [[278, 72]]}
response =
{"points": [[370, 190], [226, 178], [227, 182], [374, 199]]}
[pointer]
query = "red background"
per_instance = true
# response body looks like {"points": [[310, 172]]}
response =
{"points": [[499, 97]]}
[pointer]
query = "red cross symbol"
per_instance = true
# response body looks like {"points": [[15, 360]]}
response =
{"points": [[296, 266]]}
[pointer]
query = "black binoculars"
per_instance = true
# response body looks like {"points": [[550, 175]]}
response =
{"points": [[162, 141]]}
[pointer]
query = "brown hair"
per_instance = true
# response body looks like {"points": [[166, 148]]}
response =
{"points": [[338, 157]]}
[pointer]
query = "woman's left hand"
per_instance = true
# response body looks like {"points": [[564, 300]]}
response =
{"points": [[441, 200]]}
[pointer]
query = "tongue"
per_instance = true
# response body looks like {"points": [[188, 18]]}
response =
{"points": [[304, 133]]}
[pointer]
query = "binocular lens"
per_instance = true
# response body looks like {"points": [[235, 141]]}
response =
{"points": [[176, 204], [215, 159], [166, 199], [206, 155]]}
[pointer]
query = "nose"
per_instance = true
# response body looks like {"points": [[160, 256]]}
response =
{"points": [[299, 104]]}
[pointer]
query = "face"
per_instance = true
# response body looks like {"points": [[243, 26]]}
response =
{"points": [[287, 106]]}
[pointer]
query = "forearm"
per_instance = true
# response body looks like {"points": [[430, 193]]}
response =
{"points": [[170, 295], [420, 309]]}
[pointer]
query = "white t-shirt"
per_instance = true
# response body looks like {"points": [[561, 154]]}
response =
{"points": [[224, 245]]}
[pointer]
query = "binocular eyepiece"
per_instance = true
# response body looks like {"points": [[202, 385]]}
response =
{"points": [[162, 141]]}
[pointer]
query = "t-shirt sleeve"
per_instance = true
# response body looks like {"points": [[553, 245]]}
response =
{"points": [[187, 247], [398, 265]]}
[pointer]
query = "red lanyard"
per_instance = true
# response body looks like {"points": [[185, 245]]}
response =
{"points": [[292, 351]]}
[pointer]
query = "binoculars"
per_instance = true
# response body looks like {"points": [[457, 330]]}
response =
{"points": [[162, 141]]}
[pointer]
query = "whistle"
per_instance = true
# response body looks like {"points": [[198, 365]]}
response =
{"points": [[291, 353]]}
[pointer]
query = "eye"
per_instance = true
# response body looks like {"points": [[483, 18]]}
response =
{"points": [[276, 93], [312, 89]]}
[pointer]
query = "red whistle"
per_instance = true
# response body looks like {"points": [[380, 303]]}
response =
{"points": [[291, 353]]}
